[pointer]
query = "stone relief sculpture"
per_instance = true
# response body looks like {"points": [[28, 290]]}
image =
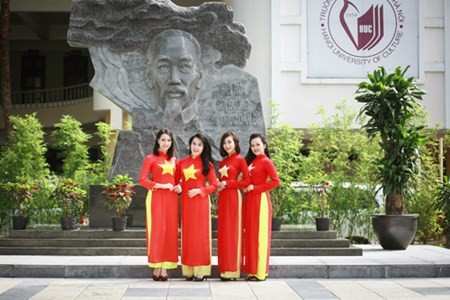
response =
{"points": [[169, 66]]}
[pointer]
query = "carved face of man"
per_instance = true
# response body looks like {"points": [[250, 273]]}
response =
{"points": [[174, 71]]}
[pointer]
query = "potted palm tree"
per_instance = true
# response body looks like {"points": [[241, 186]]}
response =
{"points": [[118, 196], [390, 104]]}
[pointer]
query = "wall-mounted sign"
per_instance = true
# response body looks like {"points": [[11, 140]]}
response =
{"points": [[347, 39]]}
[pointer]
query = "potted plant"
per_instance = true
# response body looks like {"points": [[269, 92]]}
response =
{"points": [[22, 164], [315, 169], [322, 219], [285, 143], [390, 104], [71, 197], [21, 194], [118, 197]]}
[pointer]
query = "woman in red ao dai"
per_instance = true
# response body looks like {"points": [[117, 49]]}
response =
{"points": [[194, 172], [229, 231], [161, 206], [258, 208]]}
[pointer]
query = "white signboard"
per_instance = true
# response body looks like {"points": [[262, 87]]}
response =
{"points": [[347, 39]]}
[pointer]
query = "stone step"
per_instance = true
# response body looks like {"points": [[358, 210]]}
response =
{"points": [[141, 251], [375, 262], [129, 243], [140, 233]]}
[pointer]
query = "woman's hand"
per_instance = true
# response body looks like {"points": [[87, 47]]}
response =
{"points": [[221, 186], [166, 186], [177, 188], [248, 188], [194, 192]]}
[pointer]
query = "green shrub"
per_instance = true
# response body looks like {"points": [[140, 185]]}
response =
{"points": [[285, 144], [22, 162], [341, 155], [70, 138]]}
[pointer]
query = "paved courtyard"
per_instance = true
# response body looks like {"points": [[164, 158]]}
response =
{"points": [[284, 289], [420, 272]]}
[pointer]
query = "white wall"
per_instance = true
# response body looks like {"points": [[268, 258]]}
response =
{"points": [[255, 16], [102, 104], [300, 100], [276, 30]]}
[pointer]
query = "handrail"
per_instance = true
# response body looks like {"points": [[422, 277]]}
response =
{"points": [[52, 97]]}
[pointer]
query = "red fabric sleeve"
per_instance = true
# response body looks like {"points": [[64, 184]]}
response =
{"points": [[272, 174], [145, 171], [212, 181], [178, 172], [245, 181]]}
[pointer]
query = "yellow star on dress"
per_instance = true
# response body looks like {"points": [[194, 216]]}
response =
{"points": [[167, 168], [190, 172], [224, 171]]}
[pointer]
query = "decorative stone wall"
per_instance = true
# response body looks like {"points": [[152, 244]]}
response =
{"points": [[223, 97]]}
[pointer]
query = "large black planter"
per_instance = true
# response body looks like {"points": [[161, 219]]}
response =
{"points": [[395, 232], [68, 223], [119, 223], [276, 224], [323, 224], [19, 222]]}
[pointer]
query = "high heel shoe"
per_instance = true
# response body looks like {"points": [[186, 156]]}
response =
{"points": [[254, 278], [156, 278], [227, 279], [200, 278], [164, 278]]}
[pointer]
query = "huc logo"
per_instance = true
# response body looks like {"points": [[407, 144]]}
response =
{"points": [[362, 32]]}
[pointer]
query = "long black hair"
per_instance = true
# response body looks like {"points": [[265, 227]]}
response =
{"points": [[250, 155], [171, 151], [235, 138], [206, 153]]}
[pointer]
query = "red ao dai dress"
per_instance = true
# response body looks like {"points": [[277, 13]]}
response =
{"points": [[195, 216], [258, 217], [161, 211], [229, 231]]}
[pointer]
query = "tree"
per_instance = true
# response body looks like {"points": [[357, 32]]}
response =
{"points": [[391, 102], [70, 138], [4, 62]]}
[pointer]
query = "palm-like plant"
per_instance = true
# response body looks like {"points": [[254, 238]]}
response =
{"points": [[390, 102]]}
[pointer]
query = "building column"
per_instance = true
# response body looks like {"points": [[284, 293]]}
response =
{"points": [[256, 18]]}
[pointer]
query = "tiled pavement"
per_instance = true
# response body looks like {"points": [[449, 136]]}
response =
{"points": [[420, 272], [283, 289]]}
